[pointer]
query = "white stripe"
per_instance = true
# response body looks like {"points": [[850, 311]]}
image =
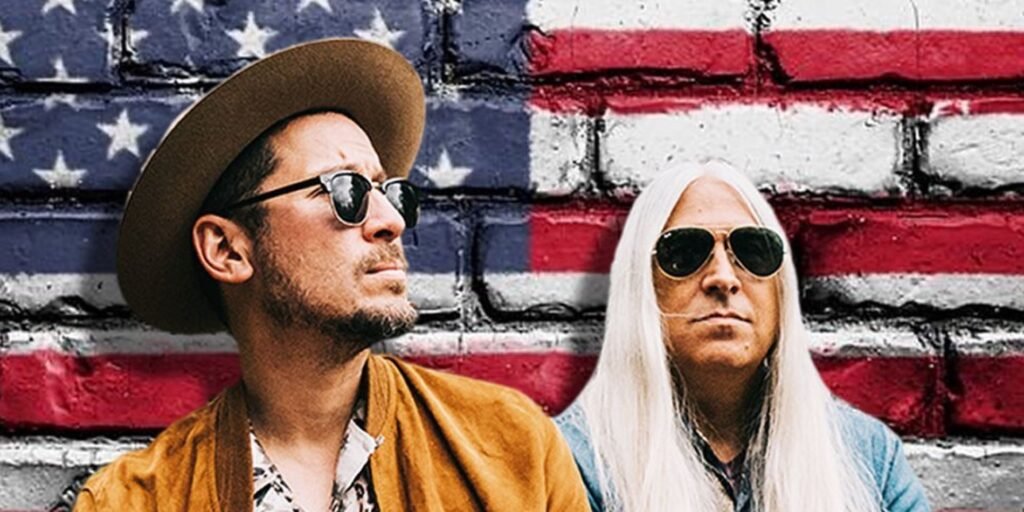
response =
{"points": [[942, 291], [559, 152], [977, 150], [916, 15], [857, 340], [804, 147], [958, 474], [973, 450], [522, 290], [656, 14], [429, 292], [988, 339], [35, 291]]}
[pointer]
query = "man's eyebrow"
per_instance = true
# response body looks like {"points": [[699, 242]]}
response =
{"points": [[348, 166], [378, 176]]}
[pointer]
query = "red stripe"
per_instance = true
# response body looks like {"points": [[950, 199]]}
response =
{"points": [[987, 393], [940, 55], [949, 238], [579, 238], [54, 391], [705, 52], [125, 391]]}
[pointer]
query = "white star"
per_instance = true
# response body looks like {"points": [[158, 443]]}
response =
{"points": [[6, 134], [195, 4], [379, 31], [123, 135], [53, 100], [252, 39], [6, 38], [306, 3], [444, 175], [67, 5], [60, 72], [61, 176]]}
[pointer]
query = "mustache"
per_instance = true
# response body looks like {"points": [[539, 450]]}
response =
{"points": [[390, 253]]}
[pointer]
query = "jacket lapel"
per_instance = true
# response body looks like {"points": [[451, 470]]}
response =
{"points": [[232, 458]]}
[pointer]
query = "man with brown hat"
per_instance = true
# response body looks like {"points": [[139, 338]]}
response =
{"points": [[274, 208]]}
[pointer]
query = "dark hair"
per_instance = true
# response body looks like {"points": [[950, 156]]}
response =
{"points": [[240, 180]]}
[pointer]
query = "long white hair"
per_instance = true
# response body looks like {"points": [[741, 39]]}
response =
{"points": [[646, 460]]}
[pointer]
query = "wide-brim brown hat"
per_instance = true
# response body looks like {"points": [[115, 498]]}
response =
{"points": [[156, 265]]}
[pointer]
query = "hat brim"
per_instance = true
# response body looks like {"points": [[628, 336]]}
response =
{"points": [[156, 265]]}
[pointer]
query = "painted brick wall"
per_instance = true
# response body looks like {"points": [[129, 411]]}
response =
{"points": [[888, 135]]}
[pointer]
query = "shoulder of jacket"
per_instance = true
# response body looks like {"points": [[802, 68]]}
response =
{"points": [[165, 457]]}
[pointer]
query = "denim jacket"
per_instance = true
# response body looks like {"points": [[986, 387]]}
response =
{"points": [[879, 447]]}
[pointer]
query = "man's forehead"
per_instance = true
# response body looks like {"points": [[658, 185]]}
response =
{"points": [[326, 141], [709, 201]]}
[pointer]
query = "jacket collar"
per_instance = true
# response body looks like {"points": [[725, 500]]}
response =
{"points": [[232, 452]]}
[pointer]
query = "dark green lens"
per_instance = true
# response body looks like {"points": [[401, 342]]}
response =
{"points": [[405, 198], [681, 252], [759, 250], [349, 194]]}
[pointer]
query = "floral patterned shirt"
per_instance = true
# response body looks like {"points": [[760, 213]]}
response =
{"points": [[352, 490]]}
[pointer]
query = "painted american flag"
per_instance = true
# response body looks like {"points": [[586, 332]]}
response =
{"points": [[887, 134]]}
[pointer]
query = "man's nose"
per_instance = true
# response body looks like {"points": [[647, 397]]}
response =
{"points": [[383, 222], [720, 274]]}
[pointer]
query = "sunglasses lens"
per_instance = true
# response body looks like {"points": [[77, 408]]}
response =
{"points": [[681, 252], [760, 250], [349, 193], [406, 199]]}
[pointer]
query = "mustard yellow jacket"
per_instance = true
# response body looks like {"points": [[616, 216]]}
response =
{"points": [[450, 443]]}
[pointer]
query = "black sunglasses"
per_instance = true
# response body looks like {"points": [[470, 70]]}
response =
{"points": [[682, 251], [350, 196]]}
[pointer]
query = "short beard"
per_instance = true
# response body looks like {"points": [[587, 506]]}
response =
{"points": [[288, 305]]}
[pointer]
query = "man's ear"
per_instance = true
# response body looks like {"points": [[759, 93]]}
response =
{"points": [[224, 249]]}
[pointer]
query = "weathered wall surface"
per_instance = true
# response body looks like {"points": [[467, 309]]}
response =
{"points": [[888, 135]]}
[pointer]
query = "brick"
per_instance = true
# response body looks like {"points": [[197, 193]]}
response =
{"points": [[192, 36], [495, 143], [548, 37], [922, 41], [817, 147], [527, 264], [37, 38], [975, 143], [988, 378]]}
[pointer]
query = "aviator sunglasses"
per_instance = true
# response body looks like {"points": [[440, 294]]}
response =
{"points": [[682, 251], [350, 195]]}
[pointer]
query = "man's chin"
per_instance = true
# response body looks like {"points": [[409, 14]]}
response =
{"points": [[373, 324]]}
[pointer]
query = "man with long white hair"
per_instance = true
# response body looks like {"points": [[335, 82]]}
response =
{"points": [[705, 396]]}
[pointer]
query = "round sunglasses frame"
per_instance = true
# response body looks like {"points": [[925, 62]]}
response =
{"points": [[326, 182], [716, 235]]}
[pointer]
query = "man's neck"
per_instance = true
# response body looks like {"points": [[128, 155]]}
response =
{"points": [[724, 402], [301, 388], [297, 391]]}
